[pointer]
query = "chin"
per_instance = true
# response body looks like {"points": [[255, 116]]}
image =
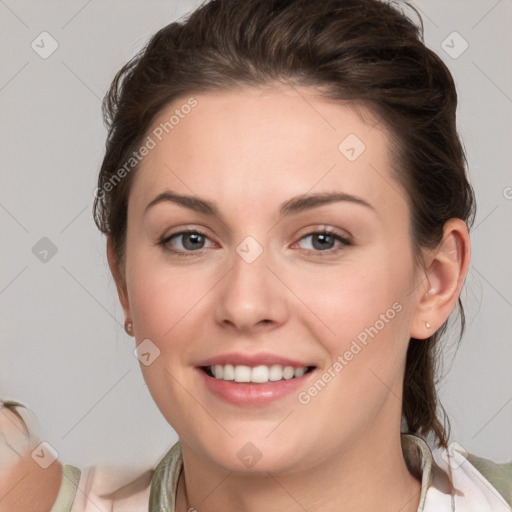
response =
{"points": [[256, 457]]}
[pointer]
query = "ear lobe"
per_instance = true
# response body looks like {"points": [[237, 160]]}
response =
{"points": [[118, 277], [444, 277]]}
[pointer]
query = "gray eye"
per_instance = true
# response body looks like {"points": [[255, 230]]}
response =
{"points": [[324, 241], [191, 241]]}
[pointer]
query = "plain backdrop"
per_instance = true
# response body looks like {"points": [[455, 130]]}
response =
{"points": [[63, 349]]}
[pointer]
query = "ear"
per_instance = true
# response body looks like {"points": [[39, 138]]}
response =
{"points": [[445, 270], [118, 276]]}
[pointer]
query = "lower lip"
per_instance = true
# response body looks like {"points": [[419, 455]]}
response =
{"points": [[248, 393]]}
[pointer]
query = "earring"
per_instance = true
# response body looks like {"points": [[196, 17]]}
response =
{"points": [[427, 325], [128, 327]]}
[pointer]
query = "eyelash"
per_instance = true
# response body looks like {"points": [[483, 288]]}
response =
{"points": [[344, 241]]}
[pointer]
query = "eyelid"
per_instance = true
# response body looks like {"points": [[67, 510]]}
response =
{"points": [[326, 228], [184, 231], [345, 240]]}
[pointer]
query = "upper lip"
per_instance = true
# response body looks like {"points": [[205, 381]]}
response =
{"points": [[263, 358]]}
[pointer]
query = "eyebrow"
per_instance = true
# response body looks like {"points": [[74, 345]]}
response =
{"points": [[292, 206]]}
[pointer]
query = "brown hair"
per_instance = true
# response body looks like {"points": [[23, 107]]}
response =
{"points": [[365, 51]]}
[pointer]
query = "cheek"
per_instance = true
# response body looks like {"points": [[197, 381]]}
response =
{"points": [[351, 298], [361, 313], [162, 302], [160, 295]]}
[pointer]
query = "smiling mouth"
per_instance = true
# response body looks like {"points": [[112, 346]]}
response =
{"points": [[261, 374]]}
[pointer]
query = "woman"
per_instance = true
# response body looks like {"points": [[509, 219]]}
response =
{"points": [[309, 150]]}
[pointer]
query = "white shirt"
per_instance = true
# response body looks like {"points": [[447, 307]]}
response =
{"points": [[449, 482]]}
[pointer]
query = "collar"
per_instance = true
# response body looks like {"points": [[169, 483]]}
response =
{"points": [[420, 462], [442, 489]]}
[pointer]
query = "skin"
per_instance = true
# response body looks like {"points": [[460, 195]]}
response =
{"points": [[24, 484], [249, 151]]}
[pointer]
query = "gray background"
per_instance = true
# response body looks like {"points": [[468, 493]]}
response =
{"points": [[64, 352]]}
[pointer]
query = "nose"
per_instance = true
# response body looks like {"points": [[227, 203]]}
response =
{"points": [[251, 297]]}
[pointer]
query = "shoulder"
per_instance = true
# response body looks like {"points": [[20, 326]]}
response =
{"points": [[26, 481], [476, 480], [499, 475], [103, 488], [26, 484]]}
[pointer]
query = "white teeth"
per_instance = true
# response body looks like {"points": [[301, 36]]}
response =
{"points": [[229, 372], [258, 374], [275, 372], [288, 372], [299, 372], [242, 373], [218, 371]]}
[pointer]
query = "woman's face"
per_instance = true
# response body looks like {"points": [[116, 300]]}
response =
{"points": [[261, 286]]}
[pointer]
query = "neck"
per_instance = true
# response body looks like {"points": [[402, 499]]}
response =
{"points": [[368, 476]]}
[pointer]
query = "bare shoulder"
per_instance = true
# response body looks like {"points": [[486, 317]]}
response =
{"points": [[25, 484]]}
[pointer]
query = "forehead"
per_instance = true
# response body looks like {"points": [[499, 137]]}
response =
{"points": [[259, 145]]}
